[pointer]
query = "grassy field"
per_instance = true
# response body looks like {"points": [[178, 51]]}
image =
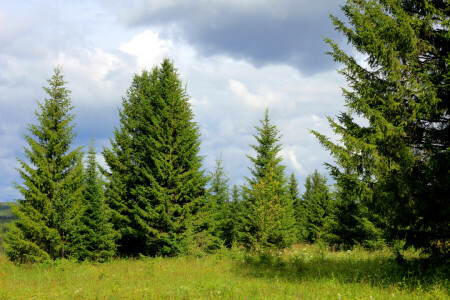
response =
{"points": [[304, 272]]}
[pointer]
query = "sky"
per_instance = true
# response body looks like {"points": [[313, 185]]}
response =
{"points": [[237, 58]]}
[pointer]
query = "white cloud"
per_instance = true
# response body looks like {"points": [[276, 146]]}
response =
{"points": [[292, 159], [259, 100], [148, 48]]}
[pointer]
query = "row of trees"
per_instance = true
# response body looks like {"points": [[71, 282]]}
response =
{"points": [[391, 172], [154, 199]]}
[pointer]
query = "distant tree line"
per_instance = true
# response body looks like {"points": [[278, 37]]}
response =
{"points": [[6, 216], [154, 198]]}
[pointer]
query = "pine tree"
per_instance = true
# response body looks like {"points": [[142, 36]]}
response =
{"points": [[401, 157], [319, 209], [98, 240], [265, 199], [48, 215], [155, 184]]}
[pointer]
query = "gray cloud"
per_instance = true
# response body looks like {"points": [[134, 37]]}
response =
{"points": [[261, 32]]}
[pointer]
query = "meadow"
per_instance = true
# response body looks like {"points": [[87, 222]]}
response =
{"points": [[302, 272]]}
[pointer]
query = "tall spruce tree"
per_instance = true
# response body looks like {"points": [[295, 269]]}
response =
{"points": [[268, 216], [400, 158], [47, 225], [98, 236], [155, 185]]}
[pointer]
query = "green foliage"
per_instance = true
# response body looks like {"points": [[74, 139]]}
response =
{"points": [[301, 221], [397, 161], [222, 207], [6, 216], [267, 210], [98, 236], [49, 213], [155, 185], [264, 214], [355, 223], [319, 208]]}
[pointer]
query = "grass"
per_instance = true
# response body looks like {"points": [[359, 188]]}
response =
{"points": [[303, 272]]}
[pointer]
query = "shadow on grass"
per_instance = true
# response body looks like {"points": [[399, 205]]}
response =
{"points": [[348, 267]]}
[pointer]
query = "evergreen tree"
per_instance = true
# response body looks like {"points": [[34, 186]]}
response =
{"points": [[401, 157], [235, 194], [233, 217], [98, 241], [355, 224], [47, 225], [264, 214], [299, 209], [265, 199], [155, 185], [219, 196], [319, 209]]}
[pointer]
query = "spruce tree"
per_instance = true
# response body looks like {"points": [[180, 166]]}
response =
{"points": [[265, 199], [355, 224], [299, 209], [98, 235], [48, 215], [319, 209], [235, 194], [155, 185], [234, 215], [400, 155], [264, 214], [219, 206]]}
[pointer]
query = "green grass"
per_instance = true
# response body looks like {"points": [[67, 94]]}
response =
{"points": [[304, 272]]}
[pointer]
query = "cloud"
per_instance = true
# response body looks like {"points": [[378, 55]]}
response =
{"points": [[148, 48], [261, 100], [231, 77], [262, 32], [292, 157]]}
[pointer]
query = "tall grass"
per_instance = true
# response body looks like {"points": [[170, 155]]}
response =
{"points": [[303, 272]]}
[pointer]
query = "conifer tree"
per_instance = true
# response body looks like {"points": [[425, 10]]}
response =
{"points": [[235, 194], [155, 185], [264, 214], [219, 184], [219, 207], [355, 224], [48, 215], [400, 158], [299, 209], [319, 208], [98, 240], [234, 215], [265, 199]]}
